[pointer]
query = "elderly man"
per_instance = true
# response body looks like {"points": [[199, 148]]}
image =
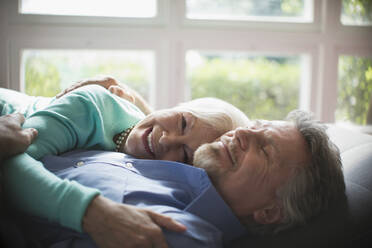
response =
{"points": [[268, 176]]}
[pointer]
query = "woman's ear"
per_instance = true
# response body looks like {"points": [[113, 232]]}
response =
{"points": [[268, 215]]}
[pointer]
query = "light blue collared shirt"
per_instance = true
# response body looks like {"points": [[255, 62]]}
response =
{"points": [[180, 191]]}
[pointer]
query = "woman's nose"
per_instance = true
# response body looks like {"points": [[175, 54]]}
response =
{"points": [[168, 140]]}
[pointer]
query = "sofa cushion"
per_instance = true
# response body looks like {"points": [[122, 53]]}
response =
{"points": [[348, 223]]}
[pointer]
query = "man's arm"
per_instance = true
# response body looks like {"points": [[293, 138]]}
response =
{"points": [[200, 233], [111, 224], [14, 139]]}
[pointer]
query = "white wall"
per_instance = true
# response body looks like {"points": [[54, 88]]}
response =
{"points": [[171, 35]]}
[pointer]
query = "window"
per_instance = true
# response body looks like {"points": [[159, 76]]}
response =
{"points": [[253, 10], [108, 8], [47, 72], [265, 56], [261, 86], [356, 12], [355, 90]]}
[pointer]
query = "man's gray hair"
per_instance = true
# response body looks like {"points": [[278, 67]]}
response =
{"points": [[315, 185]]}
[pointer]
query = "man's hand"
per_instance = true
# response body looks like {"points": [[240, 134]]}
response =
{"points": [[14, 139], [112, 225]]}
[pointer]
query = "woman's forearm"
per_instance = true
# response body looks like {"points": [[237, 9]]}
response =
{"points": [[35, 190]]}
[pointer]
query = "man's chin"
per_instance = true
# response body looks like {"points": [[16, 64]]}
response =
{"points": [[205, 157]]}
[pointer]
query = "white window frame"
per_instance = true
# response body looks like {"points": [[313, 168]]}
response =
{"points": [[159, 19], [170, 35], [279, 24]]}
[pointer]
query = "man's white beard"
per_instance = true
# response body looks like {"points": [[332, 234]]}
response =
{"points": [[206, 157]]}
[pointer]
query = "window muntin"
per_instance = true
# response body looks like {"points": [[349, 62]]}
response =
{"points": [[354, 101], [107, 8], [356, 12], [262, 86], [251, 10], [47, 72]]}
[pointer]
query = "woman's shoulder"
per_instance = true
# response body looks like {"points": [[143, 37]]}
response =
{"points": [[91, 89], [90, 93]]}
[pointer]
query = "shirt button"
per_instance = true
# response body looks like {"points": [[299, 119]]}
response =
{"points": [[80, 163], [129, 165]]}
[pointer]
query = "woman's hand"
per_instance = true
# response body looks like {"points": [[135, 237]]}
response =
{"points": [[103, 81], [111, 225], [14, 139], [119, 89]]}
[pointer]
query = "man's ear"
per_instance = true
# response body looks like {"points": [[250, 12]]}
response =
{"points": [[269, 214]]}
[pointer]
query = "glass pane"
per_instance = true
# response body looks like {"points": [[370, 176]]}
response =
{"points": [[47, 72], [356, 12], [253, 10], [354, 90], [261, 86], [109, 8]]}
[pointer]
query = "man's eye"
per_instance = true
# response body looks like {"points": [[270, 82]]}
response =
{"points": [[264, 151], [184, 123]]}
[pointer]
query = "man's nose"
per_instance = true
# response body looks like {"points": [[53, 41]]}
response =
{"points": [[244, 135]]}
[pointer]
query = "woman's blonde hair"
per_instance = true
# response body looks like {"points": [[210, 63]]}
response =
{"points": [[215, 113]]}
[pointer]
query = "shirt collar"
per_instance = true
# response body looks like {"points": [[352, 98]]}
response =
{"points": [[210, 206]]}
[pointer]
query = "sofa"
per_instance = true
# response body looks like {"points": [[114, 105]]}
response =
{"points": [[348, 222]]}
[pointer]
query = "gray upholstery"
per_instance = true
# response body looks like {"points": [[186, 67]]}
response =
{"points": [[348, 223]]}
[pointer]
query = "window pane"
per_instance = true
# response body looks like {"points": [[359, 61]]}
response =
{"points": [[47, 72], [110, 8], [261, 86], [354, 90], [253, 10], [356, 12]]}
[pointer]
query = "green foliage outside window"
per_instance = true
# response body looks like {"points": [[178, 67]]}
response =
{"points": [[354, 89], [46, 74], [292, 7], [356, 12], [42, 78], [247, 7], [260, 87]]}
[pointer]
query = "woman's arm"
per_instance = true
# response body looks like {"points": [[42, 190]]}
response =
{"points": [[120, 89], [86, 118], [37, 191]]}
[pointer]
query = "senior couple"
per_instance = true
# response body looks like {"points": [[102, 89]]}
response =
{"points": [[258, 177]]}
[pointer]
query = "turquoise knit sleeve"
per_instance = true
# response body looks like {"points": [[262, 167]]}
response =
{"points": [[39, 192], [86, 118]]}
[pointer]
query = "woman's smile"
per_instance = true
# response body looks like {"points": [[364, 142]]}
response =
{"points": [[148, 142]]}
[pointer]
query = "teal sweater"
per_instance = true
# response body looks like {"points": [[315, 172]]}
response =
{"points": [[88, 118]]}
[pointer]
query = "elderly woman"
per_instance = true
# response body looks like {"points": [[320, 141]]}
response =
{"points": [[91, 117]]}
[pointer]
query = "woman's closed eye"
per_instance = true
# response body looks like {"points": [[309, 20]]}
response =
{"points": [[183, 128], [184, 123], [185, 155]]}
